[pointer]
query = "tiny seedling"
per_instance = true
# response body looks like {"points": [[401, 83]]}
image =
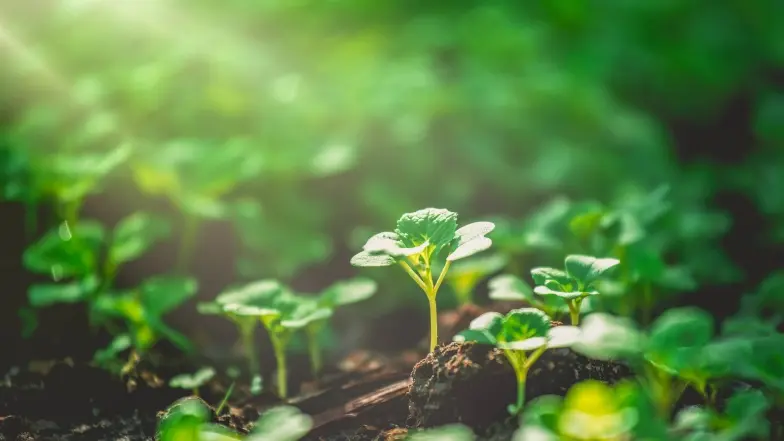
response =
{"points": [[466, 275], [508, 287], [574, 284], [418, 241], [313, 312], [523, 335], [193, 381]]}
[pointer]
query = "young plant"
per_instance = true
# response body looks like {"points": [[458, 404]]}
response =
{"points": [[142, 310], [274, 305], [419, 241], [466, 275], [193, 381], [576, 283], [313, 312], [508, 287], [523, 335]]}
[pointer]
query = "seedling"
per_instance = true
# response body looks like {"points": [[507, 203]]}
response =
{"points": [[193, 381], [523, 335], [418, 241], [507, 287], [142, 310], [466, 275], [313, 312], [268, 301], [574, 284]]}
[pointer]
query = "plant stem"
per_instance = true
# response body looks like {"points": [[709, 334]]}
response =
{"points": [[431, 300], [574, 312], [246, 334], [315, 353], [225, 399], [521, 376], [280, 357], [187, 243], [441, 277], [414, 276]]}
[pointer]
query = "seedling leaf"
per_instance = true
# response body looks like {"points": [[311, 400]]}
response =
{"points": [[524, 323], [192, 381], [74, 292], [470, 232], [347, 292], [136, 234], [567, 295], [366, 259], [282, 423], [470, 248], [509, 287], [607, 337], [587, 269], [542, 275], [434, 226], [162, 294]]}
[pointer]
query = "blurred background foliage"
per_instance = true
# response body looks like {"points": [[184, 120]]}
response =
{"points": [[278, 134]]}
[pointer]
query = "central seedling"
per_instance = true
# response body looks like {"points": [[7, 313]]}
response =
{"points": [[523, 335], [417, 243]]}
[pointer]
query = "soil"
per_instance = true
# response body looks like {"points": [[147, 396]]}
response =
{"points": [[367, 397]]}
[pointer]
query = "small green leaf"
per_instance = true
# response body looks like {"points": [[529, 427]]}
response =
{"points": [[134, 235], [677, 337], [162, 294], [448, 432], [484, 329], [118, 345], [432, 225], [192, 381], [74, 292], [183, 420], [348, 291], [306, 312], [72, 251], [282, 423], [524, 323], [254, 293], [542, 275], [607, 337], [587, 269], [470, 248], [509, 287], [366, 259], [473, 231]]}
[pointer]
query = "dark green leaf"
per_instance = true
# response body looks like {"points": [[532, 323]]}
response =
{"points": [[524, 323], [542, 275], [134, 235], [164, 293]]}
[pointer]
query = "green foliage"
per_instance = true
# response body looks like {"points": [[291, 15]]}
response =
{"points": [[449, 432], [193, 381], [417, 245], [523, 334], [574, 284], [466, 274]]}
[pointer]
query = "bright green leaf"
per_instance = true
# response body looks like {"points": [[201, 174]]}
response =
{"points": [[134, 235], [587, 269], [282, 423], [434, 226], [164, 293], [74, 292]]}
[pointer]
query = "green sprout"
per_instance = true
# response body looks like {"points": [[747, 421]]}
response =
{"points": [[419, 239], [142, 310], [312, 313], [508, 287], [576, 283], [466, 275], [193, 381], [523, 335], [274, 305]]}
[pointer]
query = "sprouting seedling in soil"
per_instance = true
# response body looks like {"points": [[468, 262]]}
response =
{"points": [[574, 284], [523, 335], [466, 275], [225, 305], [193, 381], [508, 287], [271, 303], [418, 241], [313, 312]]}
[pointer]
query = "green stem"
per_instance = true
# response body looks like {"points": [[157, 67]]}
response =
{"points": [[225, 399], [441, 277], [280, 357], [187, 243], [521, 376], [431, 300], [246, 334], [574, 312], [315, 353], [414, 276]]}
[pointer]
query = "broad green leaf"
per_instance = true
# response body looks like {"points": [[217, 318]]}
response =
{"points": [[255, 293], [509, 287], [134, 235], [746, 410], [563, 336], [524, 323], [348, 291], [377, 240], [481, 336], [448, 432], [162, 294], [251, 311], [183, 420], [484, 329], [432, 225], [542, 275], [192, 381], [67, 251], [366, 259], [677, 337], [528, 344], [470, 248], [587, 269], [73, 292], [607, 337], [393, 248], [305, 313], [282, 423]]}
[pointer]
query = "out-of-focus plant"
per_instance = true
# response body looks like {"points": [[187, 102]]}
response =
{"points": [[420, 238], [193, 381], [524, 335], [508, 287], [466, 274], [576, 283]]}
